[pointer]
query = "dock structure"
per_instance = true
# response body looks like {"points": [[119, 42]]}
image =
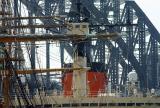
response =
{"points": [[102, 102]]}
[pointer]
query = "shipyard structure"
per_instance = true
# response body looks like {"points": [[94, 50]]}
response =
{"points": [[78, 53]]}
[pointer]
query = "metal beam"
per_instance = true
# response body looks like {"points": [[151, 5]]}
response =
{"points": [[146, 20]]}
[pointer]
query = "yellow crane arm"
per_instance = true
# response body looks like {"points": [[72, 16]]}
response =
{"points": [[31, 71], [36, 71], [54, 37]]}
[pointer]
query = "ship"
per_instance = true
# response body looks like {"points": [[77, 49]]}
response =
{"points": [[82, 83]]}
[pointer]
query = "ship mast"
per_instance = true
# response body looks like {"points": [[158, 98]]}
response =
{"points": [[77, 36], [80, 61], [6, 75]]}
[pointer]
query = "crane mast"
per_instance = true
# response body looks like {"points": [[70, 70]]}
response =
{"points": [[6, 75]]}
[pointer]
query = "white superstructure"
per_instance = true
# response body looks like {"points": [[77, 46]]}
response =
{"points": [[78, 28]]}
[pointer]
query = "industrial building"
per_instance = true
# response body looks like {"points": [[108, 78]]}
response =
{"points": [[78, 53]]}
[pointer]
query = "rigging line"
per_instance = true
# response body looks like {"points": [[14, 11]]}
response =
{"points": [[25, 75], [26, 78], [22, 89], [13, 70], [38, 61], [41, 52], [27, 93], [6, 88], [28, 87], [10, 100], [51, 57], [27, 48], [36, 80], [17, 94], [20, 21]]}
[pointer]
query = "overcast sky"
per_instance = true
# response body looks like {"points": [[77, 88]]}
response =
{"points": [[152, 10]]}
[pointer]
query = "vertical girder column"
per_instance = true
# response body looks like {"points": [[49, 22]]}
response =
{"points": [[130, 38], [128, 20], [32, 53], [154, 60], [47, 13], [113, 72], [129, 28], [100, 55], [116, 10], [101, 50], [103, 4], [61, 10], [142, 51]]}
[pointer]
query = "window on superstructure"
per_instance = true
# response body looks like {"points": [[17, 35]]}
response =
{"points": [[77, 26], [84, 26]]}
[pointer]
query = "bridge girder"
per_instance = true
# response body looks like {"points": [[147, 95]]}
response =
{"points": [[137, 48]]}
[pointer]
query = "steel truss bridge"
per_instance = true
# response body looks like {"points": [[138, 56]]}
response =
{"points": [[137, 49]]}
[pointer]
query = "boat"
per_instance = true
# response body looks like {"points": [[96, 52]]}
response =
{"points": [[81, 84]]}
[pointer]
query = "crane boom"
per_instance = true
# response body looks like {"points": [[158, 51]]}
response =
{"points": [[31, 71], [53, 37]]}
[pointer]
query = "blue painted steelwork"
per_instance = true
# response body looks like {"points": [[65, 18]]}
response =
{"points": [[48, 13], [133, 51], [146, 60], [32, 57]]}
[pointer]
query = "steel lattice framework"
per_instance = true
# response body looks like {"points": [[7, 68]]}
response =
{"points": [[136, 49]]}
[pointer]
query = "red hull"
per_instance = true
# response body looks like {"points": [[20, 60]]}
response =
{"points": [[96, 83]]}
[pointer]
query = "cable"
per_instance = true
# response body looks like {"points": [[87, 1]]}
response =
{"points": [[36, 80], [41, 73], [23, 31], [31, 63], [12, 69]]}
